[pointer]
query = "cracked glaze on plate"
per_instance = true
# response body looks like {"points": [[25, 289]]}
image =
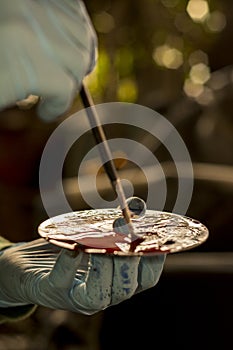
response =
{"points": [[92, 231]]}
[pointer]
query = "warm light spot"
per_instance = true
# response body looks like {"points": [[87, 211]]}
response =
{"points": [[127, 90], [206, 97], [198, 10], [219, 80], [216, 21], [191, 89], [103, 22], [168, 57], [199, 73], [198, 56]]}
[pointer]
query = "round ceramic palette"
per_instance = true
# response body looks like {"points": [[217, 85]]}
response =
{"points": [[92, 231]]}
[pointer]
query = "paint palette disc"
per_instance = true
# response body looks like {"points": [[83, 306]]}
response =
{"points": [[92, 231]]}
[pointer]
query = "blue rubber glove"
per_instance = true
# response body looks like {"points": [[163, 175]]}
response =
{"points": [[47, 48], [43, 274]]}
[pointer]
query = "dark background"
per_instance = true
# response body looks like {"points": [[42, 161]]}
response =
{"points": [[192, 304]]}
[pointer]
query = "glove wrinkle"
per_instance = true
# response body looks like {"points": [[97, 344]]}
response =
{"points": [[42, 274], [63, 273], [150, 269]]}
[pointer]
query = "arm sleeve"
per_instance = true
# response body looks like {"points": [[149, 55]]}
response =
{"points": [[13, 313]]}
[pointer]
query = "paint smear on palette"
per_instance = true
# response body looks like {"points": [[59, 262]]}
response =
{"points": [[92, 231]]}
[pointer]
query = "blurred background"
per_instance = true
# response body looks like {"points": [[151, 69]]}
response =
{"points": [[175, 57]]}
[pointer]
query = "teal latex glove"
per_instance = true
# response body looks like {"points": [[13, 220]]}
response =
{"points": [[41, 273], [47, 48]]}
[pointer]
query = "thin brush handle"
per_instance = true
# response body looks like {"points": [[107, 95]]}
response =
{"points": [[106, 157]]}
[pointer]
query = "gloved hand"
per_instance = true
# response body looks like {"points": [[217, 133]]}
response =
{"points": [[47, 48], [43, 274]]}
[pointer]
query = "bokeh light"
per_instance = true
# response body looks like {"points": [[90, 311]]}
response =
{"points": [[198, 56], [103, 22], [216, 21], [199, 73], [198, 10], [192, 89], [168, 57], [127, 90]]}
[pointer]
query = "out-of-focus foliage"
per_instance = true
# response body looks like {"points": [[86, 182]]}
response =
{"points": [[153, 50], [174, 56]]}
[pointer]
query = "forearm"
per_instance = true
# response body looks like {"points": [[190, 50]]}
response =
{"points": [[18, 312]]}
